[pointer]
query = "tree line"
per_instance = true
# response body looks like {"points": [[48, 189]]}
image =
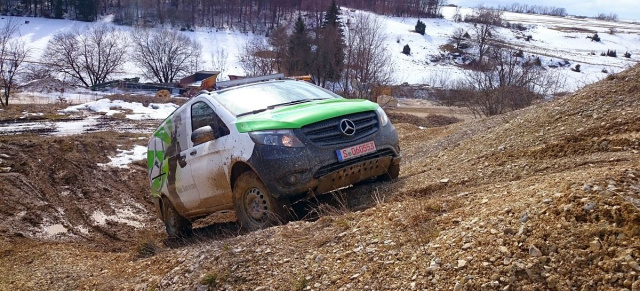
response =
{"points": [[249, 15], [346, 56]]}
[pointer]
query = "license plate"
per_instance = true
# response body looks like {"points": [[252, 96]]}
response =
{"points": [[356, 150]]}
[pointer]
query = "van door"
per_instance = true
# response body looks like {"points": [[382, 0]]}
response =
{"points": [[180, 184], [210, 160]]}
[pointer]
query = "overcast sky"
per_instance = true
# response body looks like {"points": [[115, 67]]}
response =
{"points": [[626, 9]]}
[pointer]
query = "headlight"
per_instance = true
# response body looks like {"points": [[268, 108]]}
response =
{"points": [[284, 138], [382, 117]]}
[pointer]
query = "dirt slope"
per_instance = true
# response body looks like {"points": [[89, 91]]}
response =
{"points": [[544, 198]]}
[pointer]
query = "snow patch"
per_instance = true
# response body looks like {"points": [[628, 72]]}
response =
{"points": [[126, 157], [123, 215], [138, 111]]}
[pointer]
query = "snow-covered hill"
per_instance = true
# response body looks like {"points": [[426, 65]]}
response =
{"points": [[554, 39]]}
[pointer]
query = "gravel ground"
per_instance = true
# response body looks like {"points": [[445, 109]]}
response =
{"points": [[544, 198]]}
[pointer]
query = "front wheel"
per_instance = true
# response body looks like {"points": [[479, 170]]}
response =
{"points": [[392, 173], [255, 207], [176, 225]]}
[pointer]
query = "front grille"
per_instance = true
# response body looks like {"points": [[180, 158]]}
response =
{"points": [[337, 166], [328, 133]]}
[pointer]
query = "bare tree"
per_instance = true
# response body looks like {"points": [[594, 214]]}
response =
{"points": [[89, 57], [258, 58], [13, 52], [164, 55], [219, 58], [482, 38], [458, 37], [506, 82], [368, 61]]}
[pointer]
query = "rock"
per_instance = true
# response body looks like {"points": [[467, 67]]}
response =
{"points": [[467, 246], [524, 217], [5, 169], [484, 201], [444, 181], [595, 245], [509, 231], [457, 287], [534, 252], [319, 258], [634, 265], [589, 206], [462, 263]]}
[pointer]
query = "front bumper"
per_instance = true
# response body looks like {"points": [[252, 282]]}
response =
{"points": [[289, 172]]}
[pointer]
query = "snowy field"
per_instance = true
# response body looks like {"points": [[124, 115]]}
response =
{"points": [[554, 39]]}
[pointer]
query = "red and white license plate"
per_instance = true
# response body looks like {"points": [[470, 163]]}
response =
{"points": [[356, 150]]}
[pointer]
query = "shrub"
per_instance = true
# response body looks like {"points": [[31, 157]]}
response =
{"points": [[406, 50], [627, 55], [577, 68], [595, 37], [612, 53], [421, 27]]}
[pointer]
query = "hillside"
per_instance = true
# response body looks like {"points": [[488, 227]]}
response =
{"points": [[555, 40], [544, 198]]}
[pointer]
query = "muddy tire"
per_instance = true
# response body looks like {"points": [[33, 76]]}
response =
{"points": [[392, 173], [176, 225], [255, 207]]}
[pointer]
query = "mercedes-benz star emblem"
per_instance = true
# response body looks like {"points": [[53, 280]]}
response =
{"points": [[348, 127]]}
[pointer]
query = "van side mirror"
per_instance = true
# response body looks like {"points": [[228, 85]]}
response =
{"points": [[202, 135]]}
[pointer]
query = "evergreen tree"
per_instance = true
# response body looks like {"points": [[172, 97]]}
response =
{"points": [[421, 27], [86, 10], [332, 17], [406, 50], [58, 13], [328, 59], [299, 50]]}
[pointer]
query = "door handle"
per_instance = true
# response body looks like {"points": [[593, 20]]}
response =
{"points": [[193, 153]]}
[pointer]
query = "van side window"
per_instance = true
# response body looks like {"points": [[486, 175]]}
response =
{"points": [[202, 115]]}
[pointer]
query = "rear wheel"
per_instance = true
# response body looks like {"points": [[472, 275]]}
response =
{"points": [[255, 207], [176, 225]]}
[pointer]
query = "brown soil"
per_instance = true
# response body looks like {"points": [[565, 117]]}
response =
{"points": [[544, 198]]}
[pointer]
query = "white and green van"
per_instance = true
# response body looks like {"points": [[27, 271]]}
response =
{"points": [[255, 148]]}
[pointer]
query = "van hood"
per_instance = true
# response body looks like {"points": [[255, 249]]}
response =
{"points": [[297, 116]]}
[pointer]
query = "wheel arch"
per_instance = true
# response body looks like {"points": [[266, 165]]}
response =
{"points": [[238, 169]]}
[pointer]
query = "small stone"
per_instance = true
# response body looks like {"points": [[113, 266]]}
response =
{"points": [[444, 181], [484, 201], [524, 217], [586, 187], [457, 287], [634, 265], [534, 252], [462, 263], [467, 246], [319, 258], [595, 245], [589, 206], [546, 201], [509, 231]]}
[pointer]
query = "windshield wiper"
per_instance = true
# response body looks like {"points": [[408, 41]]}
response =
{"points": [[252, 112], [270, 107], [290, 103]]}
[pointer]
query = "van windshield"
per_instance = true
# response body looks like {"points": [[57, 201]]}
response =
{"points": [[265, 96]]}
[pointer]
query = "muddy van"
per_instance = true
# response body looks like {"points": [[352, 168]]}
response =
{"points": [[255, 148]]}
